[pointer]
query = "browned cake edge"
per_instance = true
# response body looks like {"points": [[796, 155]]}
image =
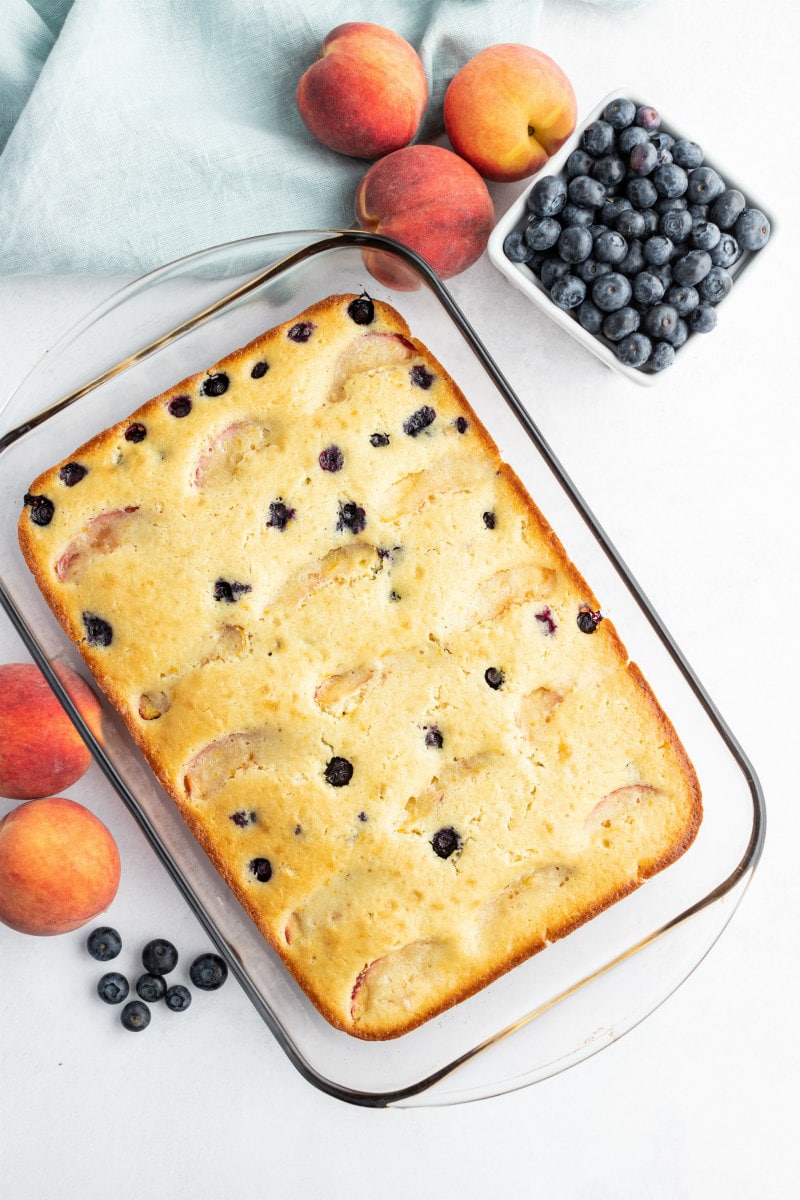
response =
{"points": [[606, 629]]}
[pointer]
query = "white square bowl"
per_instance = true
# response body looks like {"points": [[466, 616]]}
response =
{"points": [[522, 277]]}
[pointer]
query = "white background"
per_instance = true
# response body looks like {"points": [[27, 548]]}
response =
{"points": [[697, 484]]}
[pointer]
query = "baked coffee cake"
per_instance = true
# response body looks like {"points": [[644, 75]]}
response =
{"points": [[360, 662]]}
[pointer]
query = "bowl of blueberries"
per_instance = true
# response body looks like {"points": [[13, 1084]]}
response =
{"points": [[631, 238]]}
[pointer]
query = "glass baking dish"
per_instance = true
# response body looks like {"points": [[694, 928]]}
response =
{"points": [[576, 996]]}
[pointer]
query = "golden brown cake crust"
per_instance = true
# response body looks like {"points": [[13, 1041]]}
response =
{"points": [[363, 666]]}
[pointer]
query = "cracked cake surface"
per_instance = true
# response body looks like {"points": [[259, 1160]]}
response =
{"points": [[360, 662]]}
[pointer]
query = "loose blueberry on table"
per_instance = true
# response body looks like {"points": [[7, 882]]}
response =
{"points": [[636, 217]]}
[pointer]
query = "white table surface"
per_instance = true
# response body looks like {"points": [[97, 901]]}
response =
{"points": [[697, 484]]}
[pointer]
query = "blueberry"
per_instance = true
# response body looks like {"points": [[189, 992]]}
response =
{"points": [[610, 247], [663, 142], [598, 138], [568, 292], [648, 117], [666, 204], [150, 988], [216, 385], [590, 317], [752, 229], [542, 233], [576, 214], [651, 218], [180, 406], [279, 515], [633, 351], [578, 163], [546, 620], [331, 459], [446, 841], [515, 248], [703, 319], [609, 170], [495, 677], [705, 235], [619, 113], [590, 269], [229, 592], [683, 298], [662, 356], [361, 310], [726, 252], [634, 135], [243, 818], [663, 273], [351, 516], [670, 180], [113, 988], [259, 370], [687, 154], [177, 998], [660, 321], [586, 191], [715, 286], [657, 250], [587, 619], [692, 267], [647, 288], [489, 519], [136, 432], [611, 292], [159, 957], [261, 868], [641, 192], [548, 196], [104, 943], [208, 972], [419, 420], [727, 208], [634, 260], [613, 207], [621, 323], [300, 332], [575, 244], [42, 509], [135, 1016], [676, 224], [339, 772], [679, 334], [379, 439], [98, 631], [434, 739], [631, 223], [552, 269], [421, 377], [704, 185], [72, 473], [643, 158], [699, 212], [461, 424]]}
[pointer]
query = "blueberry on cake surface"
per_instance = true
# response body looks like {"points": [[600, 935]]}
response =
{"points": [[361, 664]]}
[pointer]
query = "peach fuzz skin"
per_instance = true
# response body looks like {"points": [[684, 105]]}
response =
{"points": [[59, 867], [508, 110], [366, 94], [41, 751], [433, 202]]}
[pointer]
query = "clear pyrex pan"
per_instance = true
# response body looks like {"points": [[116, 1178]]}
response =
{"points": [[576, 996]]}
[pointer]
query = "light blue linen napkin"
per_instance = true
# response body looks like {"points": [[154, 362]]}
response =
{"points": [[133, 133]]}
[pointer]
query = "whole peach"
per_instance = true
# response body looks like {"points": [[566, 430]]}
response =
{"points": [[508, 110], [59, 867], [366, 93], [430, 200], [41, 751]]}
